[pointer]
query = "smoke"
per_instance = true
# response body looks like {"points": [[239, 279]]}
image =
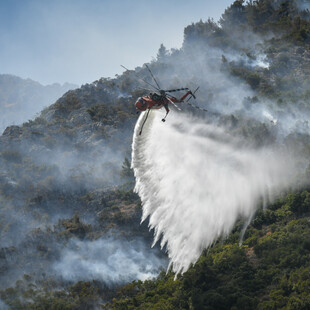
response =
{"points": [[110, 260], [259, 59], [196, 180], [3, 306], [268, 115], [61, 168], [197, 176], [100, 167], [303, 5]]}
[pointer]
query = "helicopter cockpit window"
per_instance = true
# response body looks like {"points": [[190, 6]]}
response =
{"points": [[143, 102]]}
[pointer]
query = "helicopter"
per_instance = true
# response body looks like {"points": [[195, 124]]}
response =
{"points": [[161, 98]]}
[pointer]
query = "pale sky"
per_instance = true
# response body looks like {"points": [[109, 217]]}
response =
{"points": [[79, 41]]}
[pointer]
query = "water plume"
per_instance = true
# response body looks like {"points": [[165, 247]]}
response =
{"points": [[196, 180]]}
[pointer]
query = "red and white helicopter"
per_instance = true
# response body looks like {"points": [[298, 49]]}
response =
{"points": [[161, 98]]}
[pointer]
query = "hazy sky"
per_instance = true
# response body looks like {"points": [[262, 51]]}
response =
{"points": [[79, 41]]}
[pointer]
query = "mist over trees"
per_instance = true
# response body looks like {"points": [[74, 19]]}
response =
{"points": [[66, 182], [266, 45]]}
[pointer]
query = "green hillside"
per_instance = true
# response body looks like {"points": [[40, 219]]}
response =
{"points": [[66, 181], [270, 270]]}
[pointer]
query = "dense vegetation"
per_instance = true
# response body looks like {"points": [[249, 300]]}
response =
{"points": [[270, 270], [285, 30], [66, 176]]}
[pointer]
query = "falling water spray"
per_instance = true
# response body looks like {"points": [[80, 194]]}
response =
{"points": [[196, 180]]}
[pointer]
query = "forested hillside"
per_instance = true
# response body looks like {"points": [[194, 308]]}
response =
{"points": [[70, 220], [270, 270], [267, 45]]}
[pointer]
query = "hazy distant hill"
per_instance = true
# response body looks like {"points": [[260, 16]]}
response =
{"points": [[66, 184], [21, 99]]}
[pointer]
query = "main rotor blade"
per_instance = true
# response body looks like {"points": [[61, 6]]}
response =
{"points": [[153, 76], [170, 96], [174, 104], [178, 89], [196, 106], [141, 78], [144, 88]]}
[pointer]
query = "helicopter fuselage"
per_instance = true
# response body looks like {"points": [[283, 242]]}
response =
{"points": [[155, 101], [147, 102]]}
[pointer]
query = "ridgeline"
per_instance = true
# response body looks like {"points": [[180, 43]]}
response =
{"points": [[66, 176]]}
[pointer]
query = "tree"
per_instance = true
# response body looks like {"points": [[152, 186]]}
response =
{"points": [[162, 53], [126, 171]]}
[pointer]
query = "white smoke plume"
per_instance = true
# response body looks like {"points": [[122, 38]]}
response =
{"points": [[196, 180], [303, 5], [112, 261], [3, 306]]}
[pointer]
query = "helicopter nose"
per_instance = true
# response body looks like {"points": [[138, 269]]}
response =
{"points": [[139, 106]]}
